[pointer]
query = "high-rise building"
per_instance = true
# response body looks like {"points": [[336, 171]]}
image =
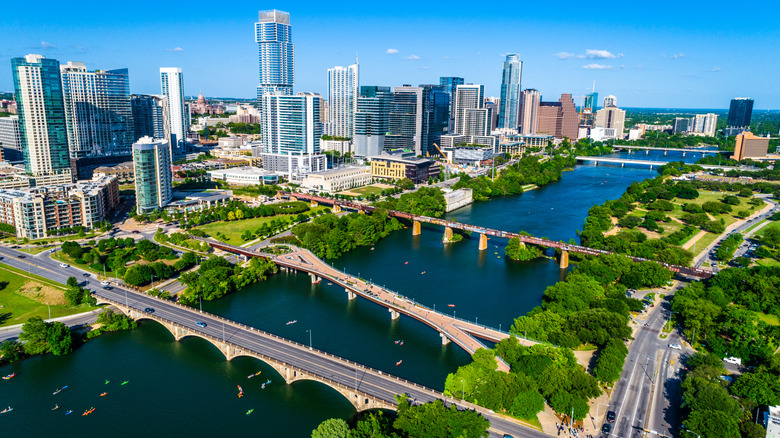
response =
{"points": [[591, 102], [291, 124], [153, 175], [436, 109], [10, 138], [610, 101], [150, 116], [42, 126], [740, 112], [273, 35], [343, 93], [611, 117], [559, 119], [172, 84], [97, 111], [450, 83], [529, 111], [705, 124], [748, 145], [468, 99], [406, 120], [372, 120], [508, 115], [681, 124]]}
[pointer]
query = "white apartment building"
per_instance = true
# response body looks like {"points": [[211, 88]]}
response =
{"points": [[342, 100]]}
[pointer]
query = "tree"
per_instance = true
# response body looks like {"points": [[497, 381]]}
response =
{"points": [[33, 335], [434, 420], [332, 428], [10, 351], [59, 338]]}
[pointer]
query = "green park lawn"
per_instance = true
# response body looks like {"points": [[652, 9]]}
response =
{"points": [[764, 229], [17, 308], [234, 229], [367, 190]]}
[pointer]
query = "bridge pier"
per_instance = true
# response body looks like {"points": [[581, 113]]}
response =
{"points": [[416, 228], [564, 263], [447, 234], [647, 152], [483, 242], [336, 209], [622, 164], [393, 314], [444, 339], [350, 295], [314, 279]]}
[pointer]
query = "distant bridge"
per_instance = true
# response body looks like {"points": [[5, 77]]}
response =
{"points": [[651, 163], [483, 232], [684, 151]]}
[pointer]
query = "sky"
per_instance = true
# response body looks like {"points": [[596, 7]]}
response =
{"points": [[649, 54]]}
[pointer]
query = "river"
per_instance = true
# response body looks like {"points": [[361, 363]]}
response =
{"points": [[187, 388]]}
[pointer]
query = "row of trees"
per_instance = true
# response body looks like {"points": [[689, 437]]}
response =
{"points": [[329, 236]]}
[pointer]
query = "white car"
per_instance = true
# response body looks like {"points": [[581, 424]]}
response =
{"points": [[104, 283], [64, 265], [733, 360], [675, 346]]}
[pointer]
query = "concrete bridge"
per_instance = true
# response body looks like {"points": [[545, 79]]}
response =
{"points": [[684, 151], [483, 232], [465, 334], [651, 163]]}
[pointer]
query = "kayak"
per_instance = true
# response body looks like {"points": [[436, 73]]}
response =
{"points": [[104, 394], [55, 407], [253, 375], [107, 382], [10, 376], [250, 411], [69, 412], [125, 382], [8, 409], [59, 390], [87, 412], [398, 363]]}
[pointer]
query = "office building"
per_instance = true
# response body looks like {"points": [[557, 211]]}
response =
{"points": [[529, 111], [395, 165], [42, 126], [273, 35], [343, 93], [10, 138], [508, 114], [611, 117], [98, 115], [405, 120], [372, 120], [610, 101], [245, 176], [705, 124], [740, 112], [336, 180], [493, 105], [172, 83], [749, 146], [468, 97], [153, 175], [436, 109], [681, 125], [559, 119], [591, 102], [450, 84], [150, 116]]}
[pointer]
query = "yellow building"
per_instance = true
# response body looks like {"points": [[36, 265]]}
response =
{"points": [[398, 165]]}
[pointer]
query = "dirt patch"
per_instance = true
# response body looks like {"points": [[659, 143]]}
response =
{"points": [[42, 294], [586, 359]]}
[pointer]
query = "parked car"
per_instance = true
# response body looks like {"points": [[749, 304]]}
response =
{"points": [[105, 283], [611, 416], [606, 428], [733, 360], [64, 265], [675, 346]]}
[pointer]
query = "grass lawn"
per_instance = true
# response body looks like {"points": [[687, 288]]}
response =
{"points": [[767, 262], [234, 229], [763, 230], [367, 190], [754, 226], [769, 319], [704, 242], [24, 295]]}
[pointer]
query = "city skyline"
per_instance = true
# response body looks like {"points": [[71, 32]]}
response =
{"points": [[675, 61]]}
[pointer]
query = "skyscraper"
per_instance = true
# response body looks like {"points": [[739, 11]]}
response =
{"points": [[559, 118], [467, 97], [172, 83], [508, 115], [611, 117], [343, 93], [436, 110], [372, 120], [44, 134], [291, 124], [740, 112], [705, 124], [10, 138], [405, 120], [529, 111], [450, 83], [591, 102], [610, 101], [97, 111], [153, 175], [150, 116], [273, 35]]}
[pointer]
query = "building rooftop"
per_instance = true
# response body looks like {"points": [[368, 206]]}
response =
{"points": [[245, 170], [402, 157], [341, 171]]}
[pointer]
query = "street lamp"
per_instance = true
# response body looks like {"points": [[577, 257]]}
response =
{"points": [[309, 330]]}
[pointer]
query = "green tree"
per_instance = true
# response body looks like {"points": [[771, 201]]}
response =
{"points": [[332, 428], [10, 351], [58, 338], [33, 335], [434, 420]]}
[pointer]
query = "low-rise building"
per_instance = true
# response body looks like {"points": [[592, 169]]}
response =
{"points": [[122, 171], [199, 201], [247, 175], [749, 146], [231, 142], [340, 146], [772, 422], [294, 166], [457, 140], [468, 155], [398, 165], [455, 199], [336, 180]]}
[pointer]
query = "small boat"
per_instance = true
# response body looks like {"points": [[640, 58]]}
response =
{"points": [[372, 248], [292, 322], [253, 375], [104, 394], [396, 342], [107, 382], [269, 381], [87, 412], [59, 390], [125, 382], [422, 273], [450, 305], [10, 376], [330, 284], [406, 263], [8, 409], [55, 407], [70, 411], [250, 411], [398, 363], [402, 343]]}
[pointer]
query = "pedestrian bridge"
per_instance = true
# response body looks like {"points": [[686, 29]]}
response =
{"points": [[684, 151]]}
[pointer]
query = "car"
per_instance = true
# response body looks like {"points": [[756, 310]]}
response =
{"points": [[714, 264], [86, 274], [149, 310], [733, 360], [64, 265], [606, 428], [611, 416], [136, 232], [21, 256], [675, 346], [105, 283], [506, 435], [107, 287], [200, 324]]}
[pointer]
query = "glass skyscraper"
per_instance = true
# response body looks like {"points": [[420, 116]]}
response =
{"points": [[150, 116], [97, 111], [153, 175], [273, 35], [405, 120], [44, 134], [450, 83], [509, 114], [172, 85], [372, 120], [291, 124], [436, 109], [740, 112]]}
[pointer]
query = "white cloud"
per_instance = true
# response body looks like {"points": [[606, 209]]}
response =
{"points": [[597, 67], [175, 49], [47, 45], [391, 51], [716, 68], [565, 55], [678, 56], [425, 68], [412, 58], [601, 54]]}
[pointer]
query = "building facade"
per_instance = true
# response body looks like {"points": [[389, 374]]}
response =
{"points": [[275, 51], [153, 175], [372, 120], [740, 112], [98, 114], [172, 85], [529, 111], [450, 84], [749, 146], [336, 180], [150, 116], [468, 98], [291, 124], [611, 117], [245, 176], [435, 118], [405, 120], [705, 124], [10, 138], [398, 165], [343, 92], [559, 119], [508, 115], [42, 125]]}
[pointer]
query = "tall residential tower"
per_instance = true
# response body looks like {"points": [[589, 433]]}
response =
{"points": [[343, 93], [172, 84], [508, 115], [273, 35]]}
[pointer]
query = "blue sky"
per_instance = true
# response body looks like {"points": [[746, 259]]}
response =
{"points": [[657, 54]]}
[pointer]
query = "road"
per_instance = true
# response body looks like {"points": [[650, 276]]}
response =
{"points": [[341, 371]]}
